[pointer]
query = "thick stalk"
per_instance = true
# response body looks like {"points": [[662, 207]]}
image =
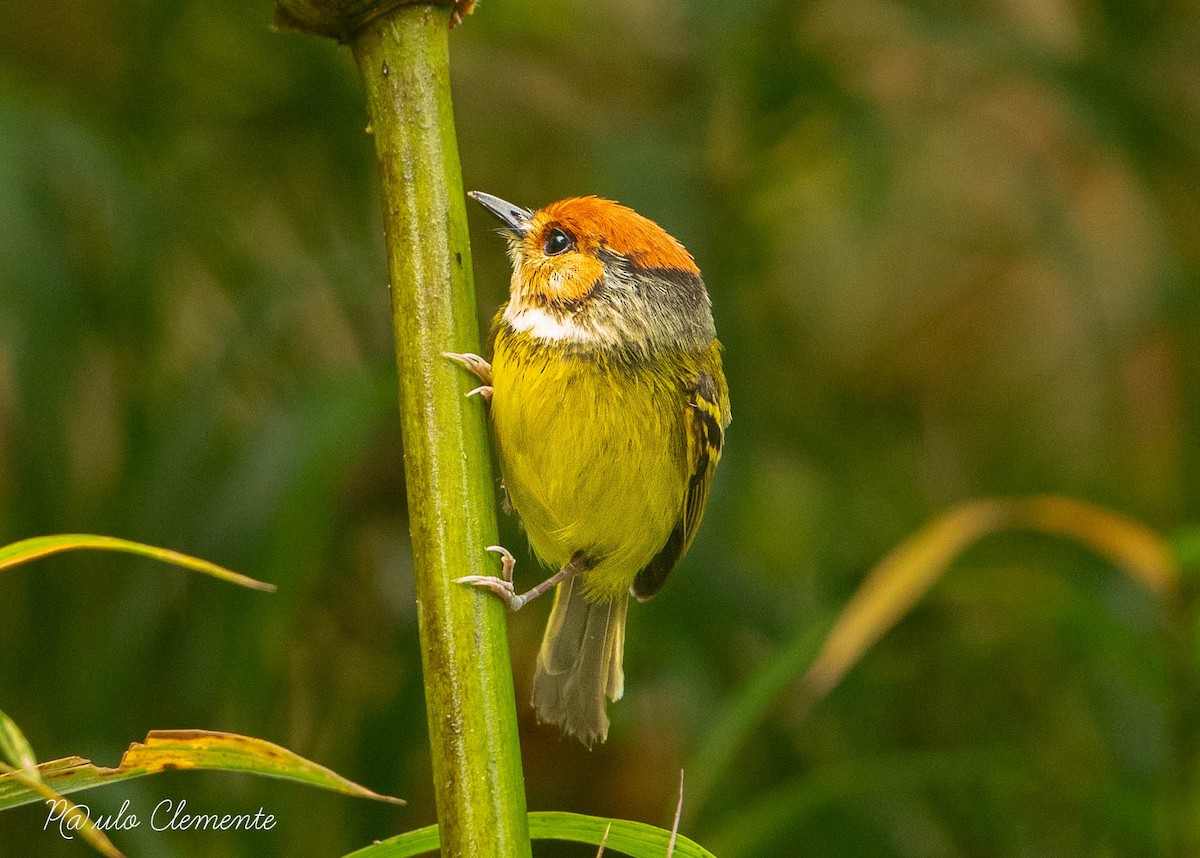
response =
{"points": [[403, 57]]}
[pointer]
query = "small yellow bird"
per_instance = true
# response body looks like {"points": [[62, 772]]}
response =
{"points": [[609, 408]]}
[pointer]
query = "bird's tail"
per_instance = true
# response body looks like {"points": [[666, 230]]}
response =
{"points": [[580, 662]]}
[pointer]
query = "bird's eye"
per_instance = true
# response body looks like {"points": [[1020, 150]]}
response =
{"points": [[557, 241]]}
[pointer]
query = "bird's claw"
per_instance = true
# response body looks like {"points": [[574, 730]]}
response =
{"points": [[480, 368], [484, 390], [507, 561]]}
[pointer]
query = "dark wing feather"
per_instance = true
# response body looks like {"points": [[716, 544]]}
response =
{"points": [[705, 434]]}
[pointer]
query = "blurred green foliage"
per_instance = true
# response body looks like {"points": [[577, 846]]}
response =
{"points": [[953, 252]]}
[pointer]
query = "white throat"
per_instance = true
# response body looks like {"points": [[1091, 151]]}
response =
{"points": [[546, 326]]}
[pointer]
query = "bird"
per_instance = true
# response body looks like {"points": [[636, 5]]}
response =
{"points": [[608, 405]]}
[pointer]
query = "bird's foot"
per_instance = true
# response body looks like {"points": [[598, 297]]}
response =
{"points": [[502, 586], [480, 368]]}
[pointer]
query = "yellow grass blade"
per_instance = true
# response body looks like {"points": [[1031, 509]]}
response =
{"points": [[42, 546], [907, 572], [167, 750], [1144, 555]]}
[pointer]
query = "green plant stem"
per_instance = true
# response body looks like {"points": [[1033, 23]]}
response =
{"points": [[403, 56]]}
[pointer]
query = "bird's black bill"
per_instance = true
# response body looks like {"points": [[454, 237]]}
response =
{"points": [[513, 217]]}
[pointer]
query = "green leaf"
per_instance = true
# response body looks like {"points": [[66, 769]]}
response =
{"points": [[15, 747], [42, 546], [417, 842], [630, 838], [82, 823], [166, 750], [633, 838]]}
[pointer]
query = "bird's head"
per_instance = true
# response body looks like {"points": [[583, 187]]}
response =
{"points": [[594, 274]]}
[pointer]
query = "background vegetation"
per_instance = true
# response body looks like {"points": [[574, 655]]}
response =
{"points": [[953, 253]]}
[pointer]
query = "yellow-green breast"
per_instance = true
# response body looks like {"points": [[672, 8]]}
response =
{"points": [[593, 450]]}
